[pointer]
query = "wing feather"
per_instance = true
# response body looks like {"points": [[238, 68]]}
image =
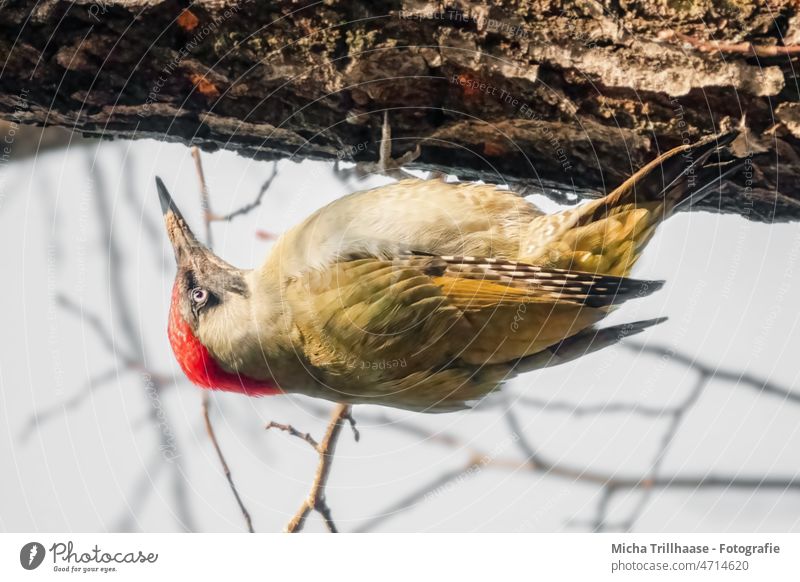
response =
{"points": [[437, 311], [540, 283]]}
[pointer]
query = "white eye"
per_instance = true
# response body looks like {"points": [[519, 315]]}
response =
{"points": [[199, 295]]}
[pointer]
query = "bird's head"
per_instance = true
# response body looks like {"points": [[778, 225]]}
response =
{"points": [[209, 308]]}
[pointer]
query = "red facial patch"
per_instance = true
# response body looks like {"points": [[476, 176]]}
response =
{"points": [[198, 364]]}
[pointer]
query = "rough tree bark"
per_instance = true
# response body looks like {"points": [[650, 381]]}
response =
{"points": [[539, 94]]}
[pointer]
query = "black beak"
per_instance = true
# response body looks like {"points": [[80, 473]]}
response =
{"points": [[184, 243], [167, 203]]}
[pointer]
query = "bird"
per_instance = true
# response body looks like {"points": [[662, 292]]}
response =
{"points": [[425, 295]]}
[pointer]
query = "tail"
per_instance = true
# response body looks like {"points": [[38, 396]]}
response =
{"points": [[608, 235], [588, 341], [673, 178]]}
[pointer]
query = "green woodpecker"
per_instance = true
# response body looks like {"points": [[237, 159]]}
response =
{"points": [[423, 295]]}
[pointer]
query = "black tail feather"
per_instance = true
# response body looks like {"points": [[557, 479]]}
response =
{"points": [[588, 341], [711, 178]]}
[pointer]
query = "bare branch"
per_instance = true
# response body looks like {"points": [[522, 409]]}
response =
{"points": [[578, 410], [666, 442], [601, 522], [143, 488], [105, 337], [295, 433], [225, 469], [247, 208], [151, 229], [316, 497], [413, 498], [135, 356], [205, 204], [40, 417], [97, 326], [675, 414], [536, 463], [762, 385]]}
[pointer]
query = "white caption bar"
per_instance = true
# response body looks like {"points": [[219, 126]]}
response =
{"points": [[401, 557]]}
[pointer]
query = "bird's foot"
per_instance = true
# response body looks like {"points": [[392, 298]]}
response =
{"points": [[386, 164]]}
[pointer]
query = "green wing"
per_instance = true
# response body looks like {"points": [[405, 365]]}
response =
{"points": [[415, 331]]}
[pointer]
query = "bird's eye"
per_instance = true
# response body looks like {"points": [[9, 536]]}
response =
{"points": [[199, 295]]}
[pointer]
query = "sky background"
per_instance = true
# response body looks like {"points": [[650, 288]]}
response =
{"points": [[87, 444]]}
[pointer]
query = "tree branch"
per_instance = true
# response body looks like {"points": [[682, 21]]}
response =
{"points": [[247, 208], [225, 469], [578, 105], [288, 428], [538, 464], [316, 496], [205, 203], [737, 377]]}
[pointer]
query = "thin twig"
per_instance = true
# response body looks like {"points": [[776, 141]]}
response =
{"points": [[105, 336], [536, 463], [39, 417], [666, 443], [740, 48], [134, 356], [136, 499], [288, 428], [205, 204], [578, 410], [225, 469], [412, 498], [736, 377], [316, 497], [149, 226], [601, 522], [247, 208], [96, 324]]}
